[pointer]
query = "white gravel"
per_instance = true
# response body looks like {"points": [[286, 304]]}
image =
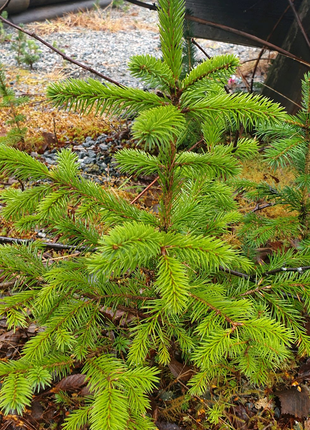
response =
{"points": [[109, 52]]}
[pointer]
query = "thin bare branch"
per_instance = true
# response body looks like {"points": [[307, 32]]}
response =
{"points": [[235, 273], [259, 207], [282, 95], [248, 36], [264, 47], [244, 79], [51, 245], [63, 55], [200, 48], [287, 269], [142, 4], [144, 191], [255, 68], [299, 22], [208, 56], [4, 6]]}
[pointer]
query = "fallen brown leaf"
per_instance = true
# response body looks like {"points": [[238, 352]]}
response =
{"points": [[295, 402], [70, 383], [180, 371]]}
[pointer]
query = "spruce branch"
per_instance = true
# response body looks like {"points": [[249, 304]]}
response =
{"points": [[22, 165], [125, 248], [84, 95], [156, 179], [151, 71], [136, 161], [159, 126], [168, 282], [171, 17], [219, 68], [59, 246], [18, 393], [241, 107], [216, 163], [172, 283]]}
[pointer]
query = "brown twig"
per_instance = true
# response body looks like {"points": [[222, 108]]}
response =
{"points": [[201, 48], [235, 144], [54, 129], [196, 144], [300, 269], [248, 36], [6, 284], [57, 246], [234, 272], [63, 55], [208, 56], [4, 6], [252, 277], [264, 47], [256, 290], [255, 59], [282, 95], [299, 22], [244, 80], [255, 68], [259, 207], [144, 191]]}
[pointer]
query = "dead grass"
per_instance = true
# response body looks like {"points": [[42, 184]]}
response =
{"points": [[95, 19], [48, 127], [255, 170]]}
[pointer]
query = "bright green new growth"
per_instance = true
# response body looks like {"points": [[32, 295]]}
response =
{"points": [[170, 274], [26, 50]]}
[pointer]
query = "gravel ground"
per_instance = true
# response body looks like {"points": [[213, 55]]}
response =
{"points": [[109, 51]]}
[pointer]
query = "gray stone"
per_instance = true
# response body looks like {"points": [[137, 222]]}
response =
{"points": [[103, 147], [89, 160], [50, 160], [101, 138], [78, 148], [91, 154], [88, 143]]}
